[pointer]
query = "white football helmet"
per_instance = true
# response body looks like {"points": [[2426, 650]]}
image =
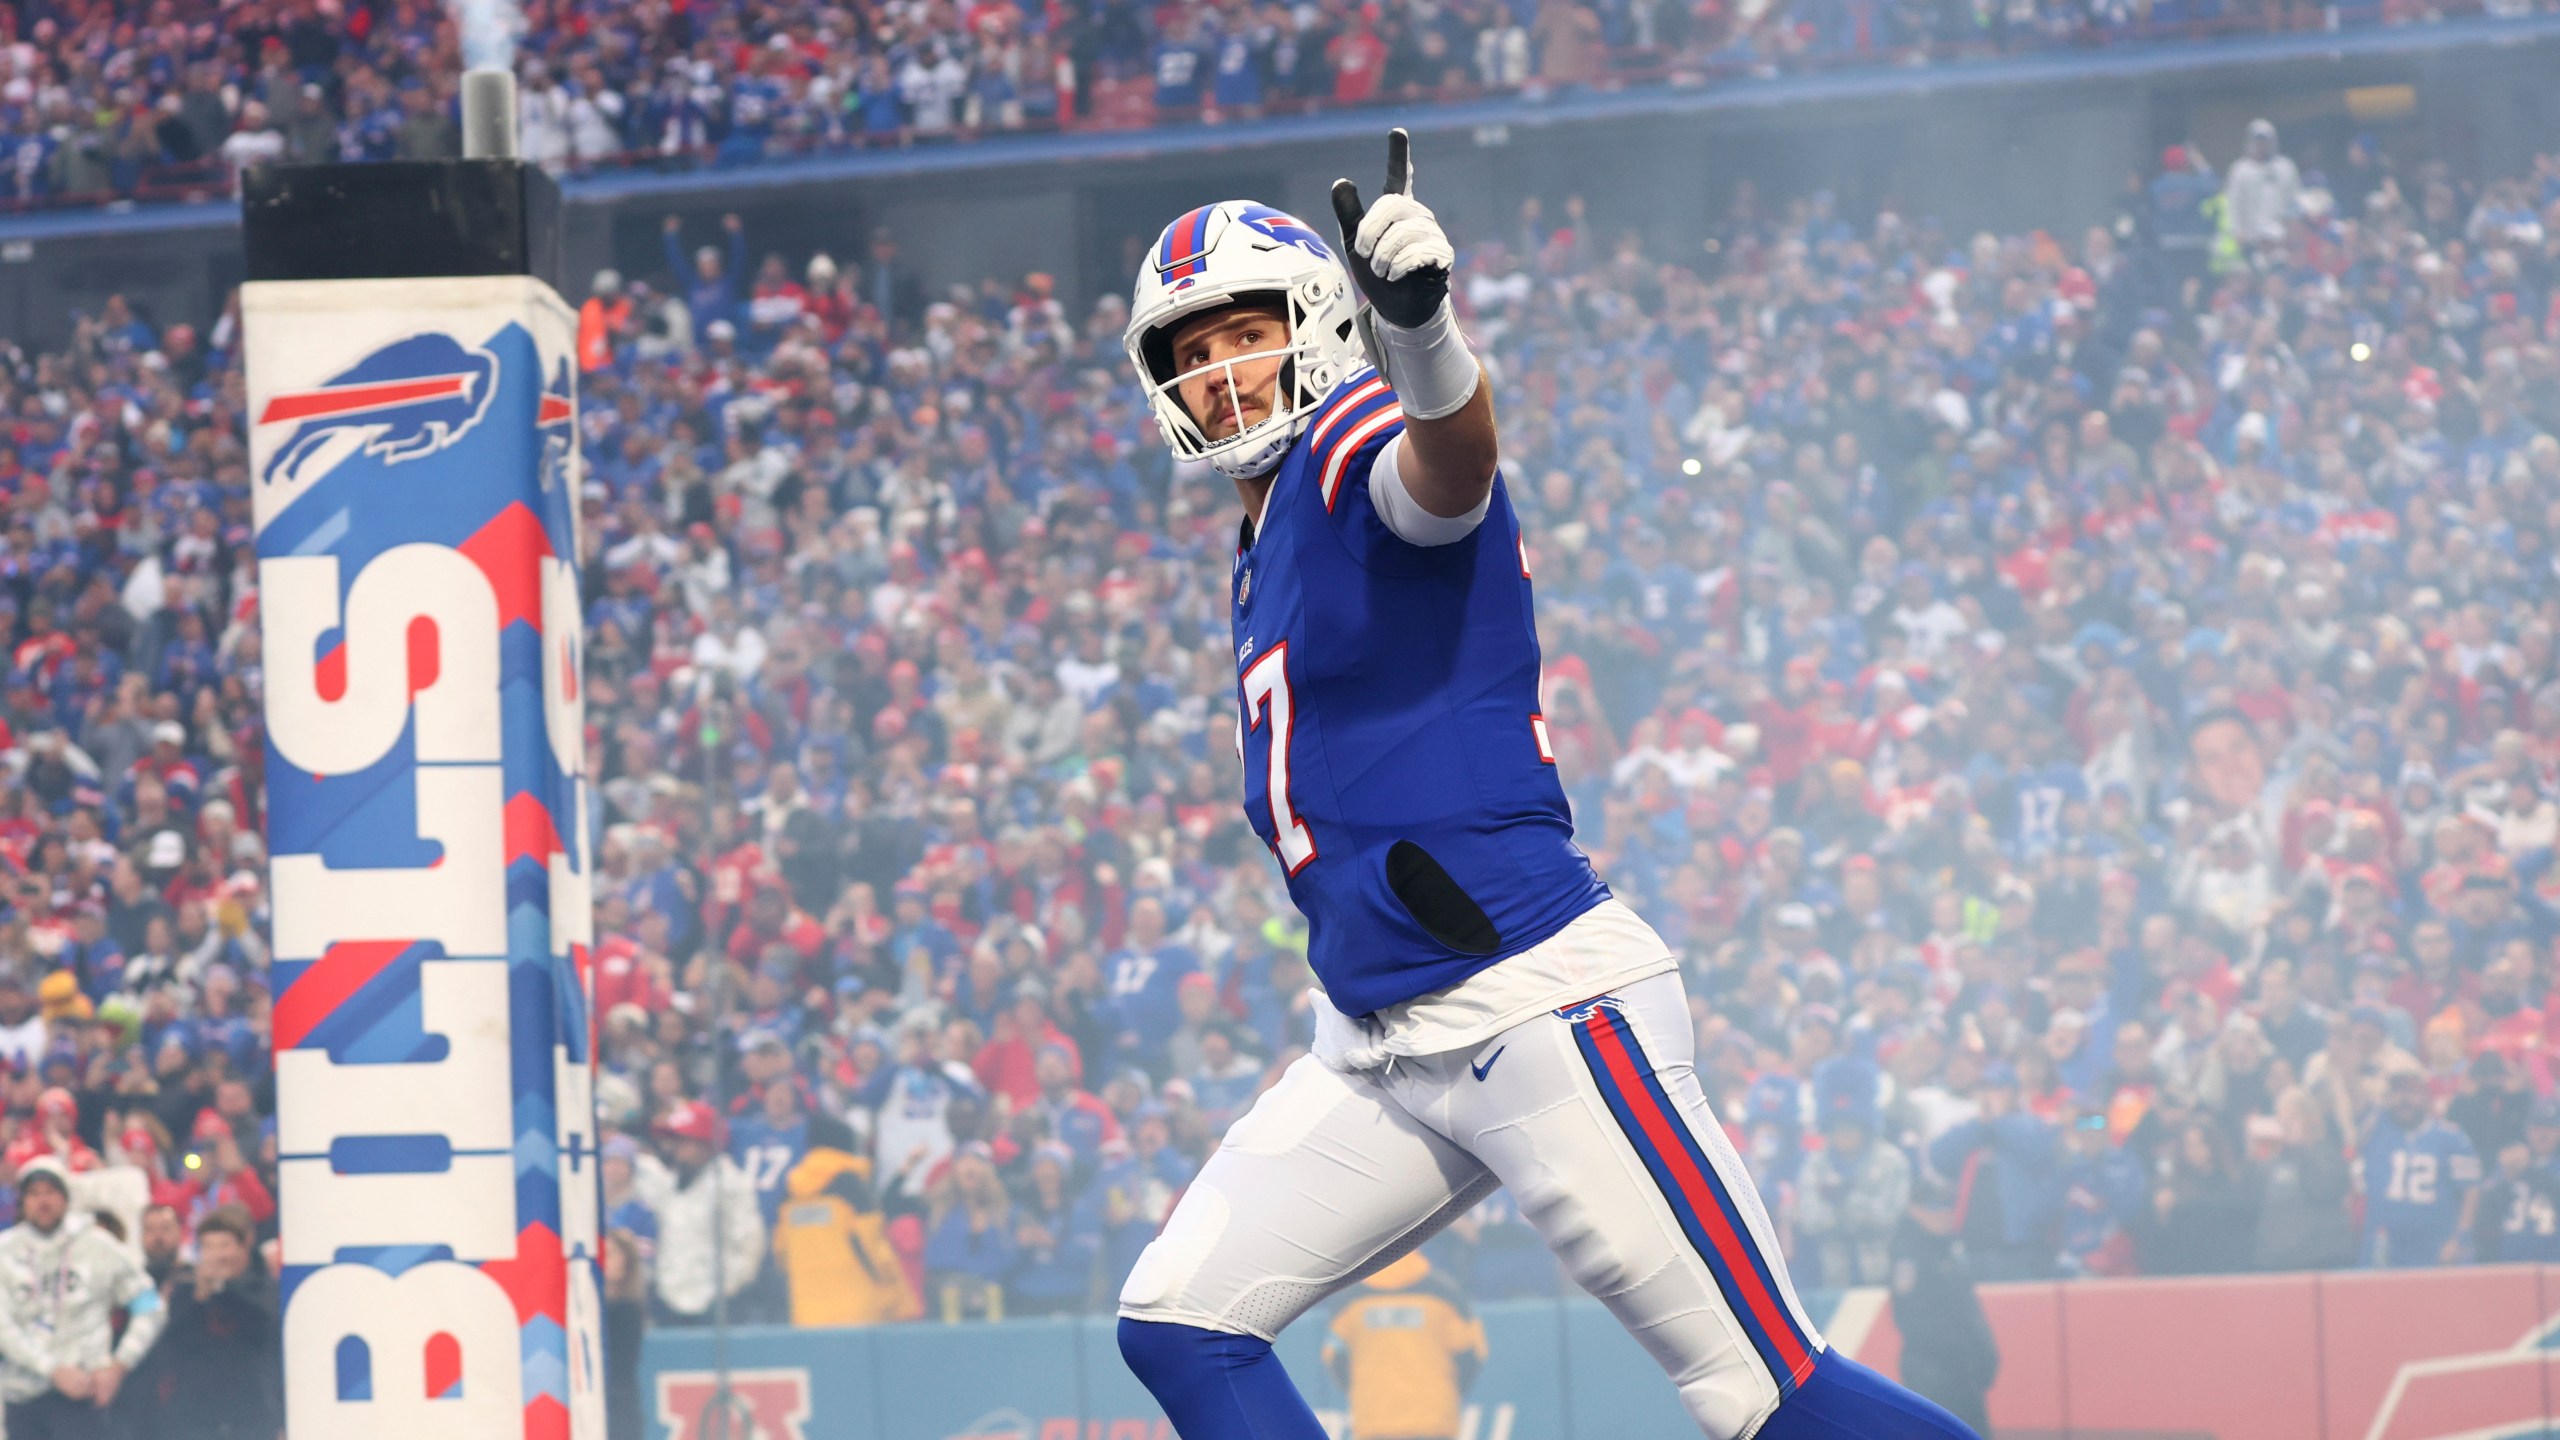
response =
{"points": [[1216, 256]]}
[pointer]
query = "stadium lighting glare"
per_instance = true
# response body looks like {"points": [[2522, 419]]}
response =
{"points": [[1691, 466], [2360, 352]]}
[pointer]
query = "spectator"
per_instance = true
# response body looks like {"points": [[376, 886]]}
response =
{"points": [[426, 131], [217, 1372], [22, 1024], [1948, 1353], [2002, 1165], [1147, 976], [710, 280], [972, 1251], [1405, 1346], [833, 1246], [2200, 1220], [1567, 37], [61, 1280], [914, 1100], [1056, 1241], [1850, 1200], [2303, 1184], [711, 1233], [163, 1239], [2102, 1192], [626, 1319], [255, 141], [2263, 192], [2421, 1180], [770, 1139], [1127, 1200], [2519, 1211]]}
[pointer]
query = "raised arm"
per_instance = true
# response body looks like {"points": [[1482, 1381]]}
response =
{"points": [[1401, 259]]}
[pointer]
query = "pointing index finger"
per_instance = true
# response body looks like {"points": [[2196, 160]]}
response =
{"points": [[1399, 162]]}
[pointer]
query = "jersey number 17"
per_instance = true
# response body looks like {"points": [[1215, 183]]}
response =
{"points": [[1266, 696]]}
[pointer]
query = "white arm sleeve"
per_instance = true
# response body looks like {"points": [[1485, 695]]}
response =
{"points": [[1405, 516]]}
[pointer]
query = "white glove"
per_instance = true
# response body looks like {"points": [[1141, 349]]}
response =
{"points": [[1401, 257], [1401, 260], [1400, 235]]}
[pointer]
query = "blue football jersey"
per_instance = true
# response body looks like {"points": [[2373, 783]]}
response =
{"points": [[767, 1152], [1394, 757], [2526, 1214], [2415, 1180]]}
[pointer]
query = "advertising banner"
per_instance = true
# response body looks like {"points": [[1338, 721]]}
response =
{"points": [[414, 455]]}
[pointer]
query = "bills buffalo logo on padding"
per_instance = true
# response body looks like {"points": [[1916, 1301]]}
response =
{"points": [[407, 400]]}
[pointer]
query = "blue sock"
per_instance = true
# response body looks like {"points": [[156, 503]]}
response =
{"points": [[1217, 1386], [1844, 1400]]}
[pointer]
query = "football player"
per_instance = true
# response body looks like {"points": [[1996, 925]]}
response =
{"points": [[1491, 1015]]}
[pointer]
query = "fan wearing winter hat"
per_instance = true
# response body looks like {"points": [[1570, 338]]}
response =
{"points": [[61, 1280]]}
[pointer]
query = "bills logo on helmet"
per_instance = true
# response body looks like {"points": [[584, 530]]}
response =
{"points": [[1184, 252], [409, 399], [1284, 227]]}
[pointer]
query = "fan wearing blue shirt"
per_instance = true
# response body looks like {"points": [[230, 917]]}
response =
{"points": [[769, 1140], [2421, 1181], [1144, 977]]}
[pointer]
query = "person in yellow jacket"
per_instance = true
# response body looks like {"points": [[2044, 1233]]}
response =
{"points": [[1405, 1346], [834, 1248]]}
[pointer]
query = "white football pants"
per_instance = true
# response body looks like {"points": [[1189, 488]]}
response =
{"points": [[1591, 1114]]}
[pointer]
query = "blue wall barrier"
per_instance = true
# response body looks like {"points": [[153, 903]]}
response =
{"points": [[1558, 1370]]}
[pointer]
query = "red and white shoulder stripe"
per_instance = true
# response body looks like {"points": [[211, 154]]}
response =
{"points": [[1361, 410]]}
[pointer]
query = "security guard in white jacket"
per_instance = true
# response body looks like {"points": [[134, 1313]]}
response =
{"points": [[61, 1279]]}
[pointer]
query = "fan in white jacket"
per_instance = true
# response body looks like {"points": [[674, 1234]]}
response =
{"points": [[710, 1228], [61, 1281]]}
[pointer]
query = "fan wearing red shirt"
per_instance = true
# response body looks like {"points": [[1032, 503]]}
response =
{"points": [[622, 975], [229, 1178], [2499, 1016], [772, 919], [1359, 60], [53, 1132], [1008, 1065]]}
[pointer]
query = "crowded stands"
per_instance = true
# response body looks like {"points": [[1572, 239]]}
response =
{"points": [[123, 101], [2083, 707]]}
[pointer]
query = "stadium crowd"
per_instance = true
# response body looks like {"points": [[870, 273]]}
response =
{"points": [[107, 100], [2083, 708]]}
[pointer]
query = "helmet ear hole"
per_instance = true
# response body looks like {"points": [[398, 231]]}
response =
{"points": [[1157, 346]]}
